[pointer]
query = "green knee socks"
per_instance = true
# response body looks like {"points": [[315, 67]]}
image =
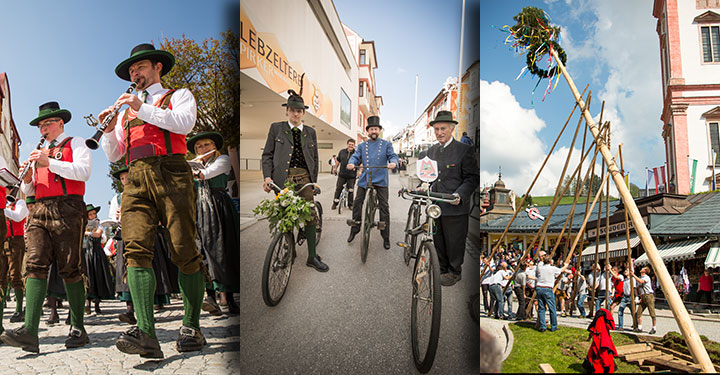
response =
{"points": [[311, 235], [35, 290], [141, 282], [193, 289], [19, 297], [76, 298]]}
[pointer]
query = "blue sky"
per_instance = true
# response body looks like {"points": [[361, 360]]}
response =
{"points": [[611, 45], [67, 52], [411, 37]]}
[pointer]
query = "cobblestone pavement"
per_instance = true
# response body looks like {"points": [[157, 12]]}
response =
{"points": [[220, 355]]}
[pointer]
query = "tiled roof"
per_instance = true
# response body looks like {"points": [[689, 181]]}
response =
{"points": [[523, 223], [703, 218]]}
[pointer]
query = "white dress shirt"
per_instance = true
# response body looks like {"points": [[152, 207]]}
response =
{"points": [[19, 213], [79, 169], [180, 120], [221, 165], [114, 212]]}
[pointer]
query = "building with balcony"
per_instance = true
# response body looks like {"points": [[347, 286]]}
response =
{"points": [[368, 102]]}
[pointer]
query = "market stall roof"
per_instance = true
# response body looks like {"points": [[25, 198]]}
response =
{"points": [[713, 257], [523, 223], [617, 247], [700, 220], [672, 251]]}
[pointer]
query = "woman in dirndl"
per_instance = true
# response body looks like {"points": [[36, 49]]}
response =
{"points": [[95, 262], [218, 223]]}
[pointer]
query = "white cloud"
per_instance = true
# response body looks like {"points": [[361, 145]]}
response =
{"points": [[509, 139]]}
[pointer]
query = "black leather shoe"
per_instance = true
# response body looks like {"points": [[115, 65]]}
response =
{"points": [[135, 341], [317, 264], [190, 339], [21, 338], [334, 205], [386, 243], [17, 316], [53, 320], [127, 317], [351, 237], [76, 338], [67, 321], [211, 306]]}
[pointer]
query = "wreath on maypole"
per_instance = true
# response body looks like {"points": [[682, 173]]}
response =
{"points": [[533, 35]]}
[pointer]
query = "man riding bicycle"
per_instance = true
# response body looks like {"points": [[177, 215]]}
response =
{"points": [[375, 152], [345, 177], [291, 153]]}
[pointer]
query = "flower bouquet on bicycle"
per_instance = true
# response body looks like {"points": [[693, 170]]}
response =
{"points": [[284, 212]]}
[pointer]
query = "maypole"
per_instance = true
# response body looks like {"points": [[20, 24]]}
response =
{"points": [[534, 33]]}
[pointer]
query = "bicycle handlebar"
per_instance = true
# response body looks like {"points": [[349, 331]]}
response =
{"points": [[434, 196], [316, 188]]}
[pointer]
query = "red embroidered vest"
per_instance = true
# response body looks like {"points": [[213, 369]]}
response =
{"points": [[49, 184], [15, 228], [141, 133]]}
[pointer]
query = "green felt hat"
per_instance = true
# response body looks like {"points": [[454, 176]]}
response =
{"points": [[120, 171], [142, 52], [213, 136], [295, 101], [373, 121], [443, 116], [91, 207], [51, 109], [30, 199]]}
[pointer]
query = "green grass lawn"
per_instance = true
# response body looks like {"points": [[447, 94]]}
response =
{"points": [[565, 350], [546, 201]]}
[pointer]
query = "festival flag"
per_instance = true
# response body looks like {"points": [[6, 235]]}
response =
{"points": [[692, 176], [662, 171], [655, 173], [648, 178]]}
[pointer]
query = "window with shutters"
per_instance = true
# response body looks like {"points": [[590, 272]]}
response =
{"points": [[714, 142], [710, 41]]}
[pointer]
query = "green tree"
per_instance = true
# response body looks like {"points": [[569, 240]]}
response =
{"points": [[527, 203], [634, 190], [211, 71]]}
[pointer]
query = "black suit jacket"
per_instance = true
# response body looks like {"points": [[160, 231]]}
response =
{"points": [[279, 148], [458, 172]]}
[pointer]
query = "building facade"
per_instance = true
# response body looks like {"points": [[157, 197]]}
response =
{"points": [[368, 103], [279, 42], [689, 36]]}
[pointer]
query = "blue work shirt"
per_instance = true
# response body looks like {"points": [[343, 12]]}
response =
{"points": [[377, 153]]}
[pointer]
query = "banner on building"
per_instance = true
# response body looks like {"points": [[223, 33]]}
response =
{"points": [[692, 176]]}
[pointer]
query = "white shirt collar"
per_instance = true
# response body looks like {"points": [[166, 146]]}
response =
{"points": [[153, 89], [59, 139], [447, 143], [299, 127]]}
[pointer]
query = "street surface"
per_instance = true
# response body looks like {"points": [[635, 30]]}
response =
{"points": [[102, 357], [354, 319]]}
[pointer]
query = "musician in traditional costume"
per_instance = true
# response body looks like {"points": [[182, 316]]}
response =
{"points": [[56, 225], [217, 221], [150, 134], [16, 212]]}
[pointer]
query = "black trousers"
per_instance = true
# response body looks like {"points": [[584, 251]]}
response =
{"points": [[342, 182], [382, 195], [486, 301], [521, 303], [708, 296], [449, 238]]}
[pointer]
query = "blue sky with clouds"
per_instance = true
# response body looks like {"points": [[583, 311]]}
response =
{"points": [[611, 45], [67, 52], [411, 37]]}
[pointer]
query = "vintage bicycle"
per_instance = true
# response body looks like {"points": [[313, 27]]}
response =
{"points": [[343, 200], [370, 207], [281, 254], [426, 288]]}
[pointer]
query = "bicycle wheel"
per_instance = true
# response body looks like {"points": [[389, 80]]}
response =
{"points": [[277, 268], [426, 303], [367, 221], [319, 213], [410, 240], [341, 202]]}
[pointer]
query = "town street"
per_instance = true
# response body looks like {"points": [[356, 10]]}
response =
{"points": [[356, 317]]}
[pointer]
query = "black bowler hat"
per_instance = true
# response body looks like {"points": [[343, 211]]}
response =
{"points": [[443, 116], [373, 121], [142, 52], [51, 109]]}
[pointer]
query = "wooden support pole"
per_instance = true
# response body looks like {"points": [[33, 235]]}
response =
{"points": [[607, 237], [629, 255], [687, 328]]}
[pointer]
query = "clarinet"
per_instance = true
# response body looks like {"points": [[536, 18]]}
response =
{"points": [[92, 142], [11, 197]]}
